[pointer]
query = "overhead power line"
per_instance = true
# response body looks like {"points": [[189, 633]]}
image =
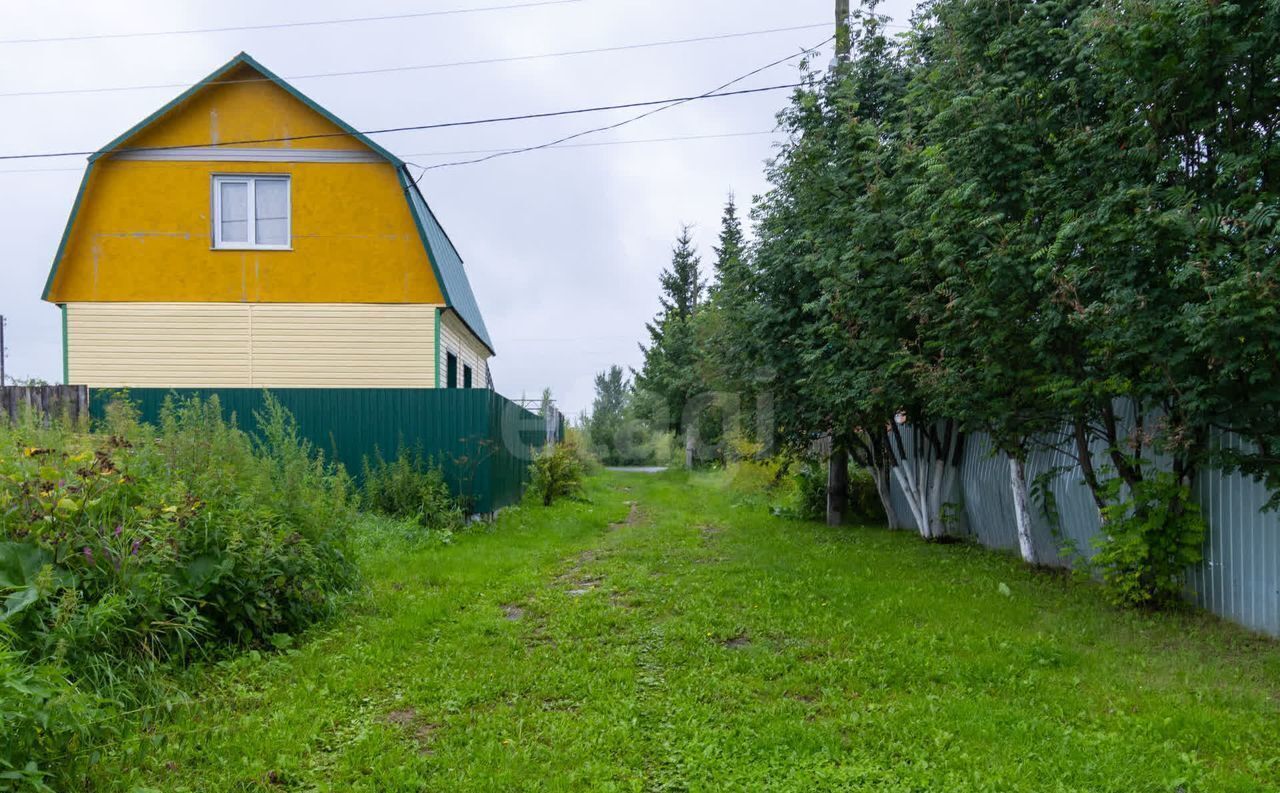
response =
{"points": [[462, 152], [671, 139], [664, 106], [277, 25], [418, 127], [430, 66]]}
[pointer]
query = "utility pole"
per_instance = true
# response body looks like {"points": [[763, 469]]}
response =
{"points": [[1, 350], [838, 461], [844, 38]]}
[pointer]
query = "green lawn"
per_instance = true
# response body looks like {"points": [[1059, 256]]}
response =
{"points": [[699, 644]]}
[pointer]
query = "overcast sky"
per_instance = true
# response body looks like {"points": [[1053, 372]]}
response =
{"points": [[563, 247]]}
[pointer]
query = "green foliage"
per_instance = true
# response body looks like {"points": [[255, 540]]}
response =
{"points": [[557, 472], [620, 429], [138, 547], [42, 715], [410, 487], [607, 424], [806, 495], [670, 370], [1018, 218], [1150, 539]]}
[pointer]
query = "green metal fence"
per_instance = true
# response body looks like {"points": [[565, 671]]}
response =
{"points": [[483, 441]]}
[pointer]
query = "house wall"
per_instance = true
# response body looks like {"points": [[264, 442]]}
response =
{"points": [[213, 345], [143, 227], [144, 233], [456, 338]]}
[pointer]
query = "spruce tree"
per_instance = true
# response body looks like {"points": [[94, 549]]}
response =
{"points": [[670, 361]]}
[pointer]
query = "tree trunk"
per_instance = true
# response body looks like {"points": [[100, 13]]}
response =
{"points": [[1022, 515], [871, 451], [928, 474], [690, 443], [905, 471], [837, 484]]}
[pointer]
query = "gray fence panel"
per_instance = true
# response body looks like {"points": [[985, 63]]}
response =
{"points": [[988, 502], [1239, 578]]}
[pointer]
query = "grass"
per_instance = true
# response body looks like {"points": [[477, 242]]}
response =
{"points": [[696, 643]]}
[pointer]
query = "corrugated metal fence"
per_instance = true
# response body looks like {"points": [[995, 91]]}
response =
{"points": [[1239, 578], [483, 441]]}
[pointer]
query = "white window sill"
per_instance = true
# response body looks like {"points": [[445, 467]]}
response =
{"points": [[251, 248]]}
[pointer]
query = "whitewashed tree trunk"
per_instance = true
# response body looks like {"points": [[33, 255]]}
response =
{"points": [[927, 477], [902, 472], [885, 492], [1022, 514]]}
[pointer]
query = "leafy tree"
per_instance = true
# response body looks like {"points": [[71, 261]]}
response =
{"points": [[1187, 191], [608, 415], [984, 202]]}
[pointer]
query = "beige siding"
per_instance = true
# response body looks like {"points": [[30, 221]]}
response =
{"points": [[455, 338], [280, 345]]}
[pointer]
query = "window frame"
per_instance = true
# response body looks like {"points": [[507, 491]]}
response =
{"points": [[467, 376], [251, 192], [451, 373]]}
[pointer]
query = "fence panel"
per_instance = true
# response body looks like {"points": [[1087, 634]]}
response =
{"points": [[48, 401], [456, 428], [1239, 578]]}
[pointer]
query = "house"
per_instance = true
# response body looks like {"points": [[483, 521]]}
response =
{"points": [[244, 237]]}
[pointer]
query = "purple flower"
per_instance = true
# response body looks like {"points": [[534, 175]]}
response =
{"points": [[119, 530], [88, 553], [133, 549]]}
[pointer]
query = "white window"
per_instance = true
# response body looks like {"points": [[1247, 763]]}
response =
{"points": [[251, 212]]}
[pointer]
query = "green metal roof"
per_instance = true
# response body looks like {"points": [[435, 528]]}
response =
{"points": [[445, 261], [448, 263]]}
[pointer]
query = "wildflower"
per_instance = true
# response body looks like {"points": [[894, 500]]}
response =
{"points": [[88, 553], [119, 529], [133, 548]]}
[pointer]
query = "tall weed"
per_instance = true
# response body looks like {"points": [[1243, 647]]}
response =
{"points": [[137, 547]]}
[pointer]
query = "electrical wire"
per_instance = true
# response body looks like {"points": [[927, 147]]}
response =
{"points": [[459, 152], [440, 125], [302, 24], [714, 92], [430, 66]]}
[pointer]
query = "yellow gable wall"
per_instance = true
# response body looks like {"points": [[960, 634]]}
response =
{"points": [[243, 105], [144, 228]]}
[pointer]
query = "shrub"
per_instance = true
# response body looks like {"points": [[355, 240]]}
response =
{"points": [[139, 546], [591, 462], [410, 487], [557, 472], [807, 495], [1149, 541], [41, 715]]}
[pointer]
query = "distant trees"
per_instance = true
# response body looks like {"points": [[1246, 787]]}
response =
{"points": [[606, 424]]}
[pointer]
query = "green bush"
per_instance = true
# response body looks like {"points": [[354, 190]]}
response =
{"points": [[1148, 541], [410, 487], [557, 472], [136, 547], [41, 715], [807, 495]]}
